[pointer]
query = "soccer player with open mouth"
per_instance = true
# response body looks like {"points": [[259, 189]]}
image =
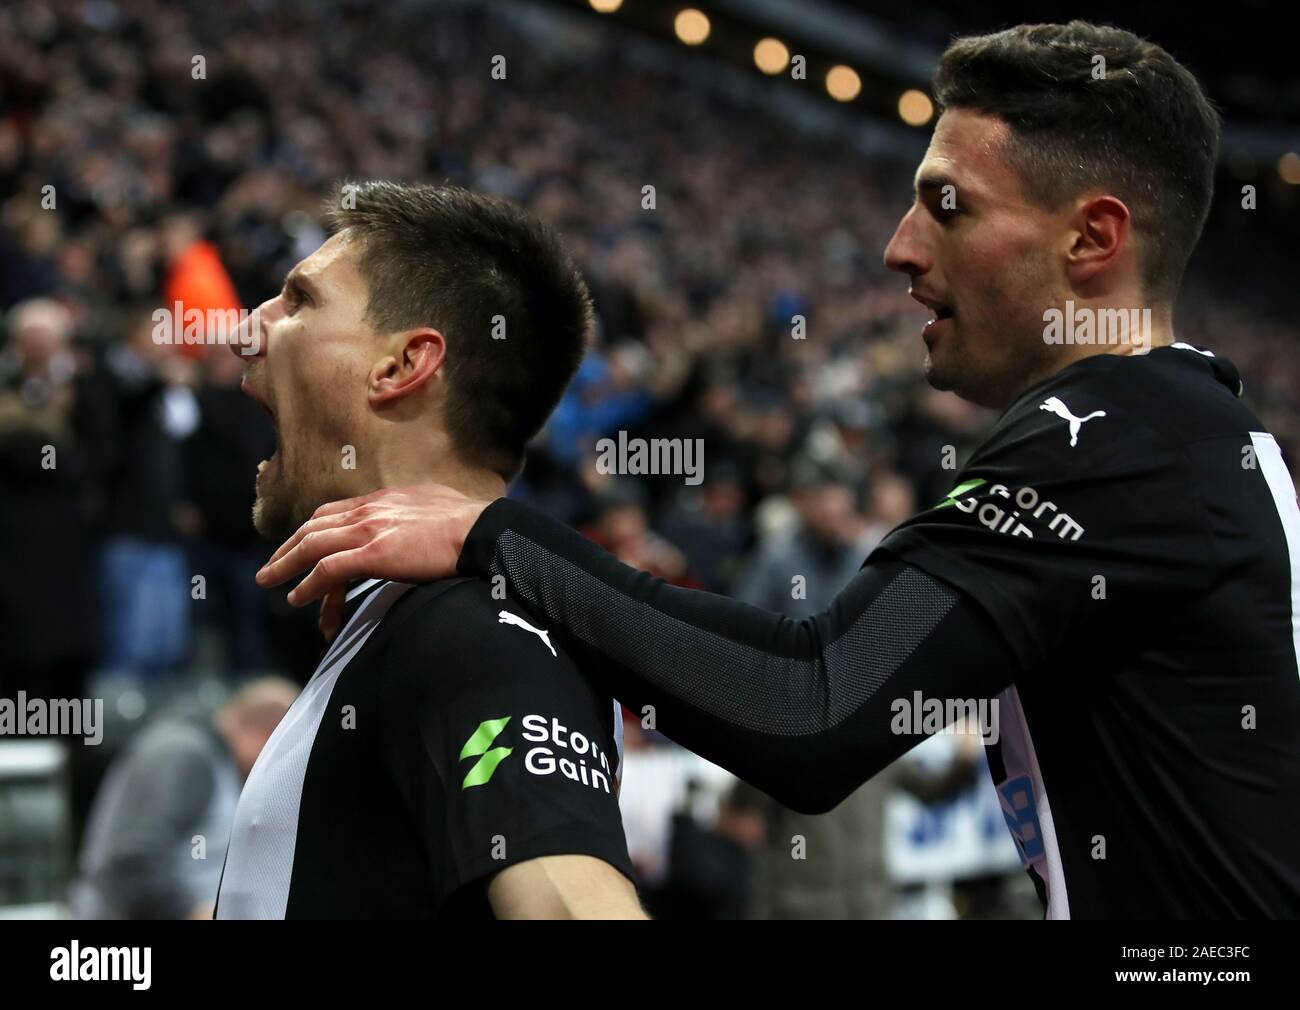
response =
{"points": [[447, 758]]}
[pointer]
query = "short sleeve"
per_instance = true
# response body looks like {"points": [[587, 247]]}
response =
{"points": [[500, 748]]}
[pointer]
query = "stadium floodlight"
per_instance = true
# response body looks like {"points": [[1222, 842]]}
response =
{"points": [[692, 26], [843, 83], [771, 55]]}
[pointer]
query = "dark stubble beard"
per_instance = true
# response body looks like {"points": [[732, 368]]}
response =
{"points": [[273, 517], [284, 501], [1015, 358]]}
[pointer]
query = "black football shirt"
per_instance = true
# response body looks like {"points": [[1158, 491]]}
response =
{"points": [[443, 737], [1134, 533]]}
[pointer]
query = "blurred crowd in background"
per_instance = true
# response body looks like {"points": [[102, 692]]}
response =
{"points": [[129, 184]]}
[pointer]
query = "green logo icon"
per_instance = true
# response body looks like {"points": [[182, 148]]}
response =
{"points": [[960, 490], [477, 746]]}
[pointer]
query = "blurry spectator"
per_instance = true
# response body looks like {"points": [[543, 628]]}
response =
{"points": [[948, 773], [829, 866], [146, 582], [607, 394], [672, 805], [28, 267], [825, 866], [158, 831], [710, 526], [935, 434], [798, 571], [891, 501], [708, 865], [48, 423], [195, 280], [622, 528]]}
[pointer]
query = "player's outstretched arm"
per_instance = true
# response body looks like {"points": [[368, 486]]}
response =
{"points": [[805, 710]]}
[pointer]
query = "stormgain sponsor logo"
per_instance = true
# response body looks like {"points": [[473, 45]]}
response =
{"points": [[654, 457], [1097, 326], [1025, 503], [23, 716], [478, 746], [559, 751], [920, 716], [583, 761], [76, 963]]}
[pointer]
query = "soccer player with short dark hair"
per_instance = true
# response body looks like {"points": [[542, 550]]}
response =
{"points": [[1118, 565], [446, 758]]}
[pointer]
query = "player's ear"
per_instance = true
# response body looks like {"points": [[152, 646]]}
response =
{"points": [[1099, 238], [420, 354]]}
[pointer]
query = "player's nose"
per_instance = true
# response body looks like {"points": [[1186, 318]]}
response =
{"points": [[250, 339], [905, 252]]}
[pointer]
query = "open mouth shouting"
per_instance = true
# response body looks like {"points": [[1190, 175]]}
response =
{"points": [[262, 402]]}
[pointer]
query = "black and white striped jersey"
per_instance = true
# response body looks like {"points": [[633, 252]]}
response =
{"points": [[1117, 566], [443, 737]]}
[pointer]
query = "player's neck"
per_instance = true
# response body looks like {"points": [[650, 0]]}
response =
{"points": [[427, 464], [1128, 331], [1158, 333], [483, 485], [1117, 322]]}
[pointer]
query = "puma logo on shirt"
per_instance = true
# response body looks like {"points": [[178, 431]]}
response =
{"points": [[1055, 405], [505, 617]]}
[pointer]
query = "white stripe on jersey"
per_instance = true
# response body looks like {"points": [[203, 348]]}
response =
{"points": [[1020, 762], [359, 588], [259, 861], [1270, 459], [618, 744]]}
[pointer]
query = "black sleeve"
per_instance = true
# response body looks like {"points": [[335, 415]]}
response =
{"points": [[803, 709], [500, 748]]}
